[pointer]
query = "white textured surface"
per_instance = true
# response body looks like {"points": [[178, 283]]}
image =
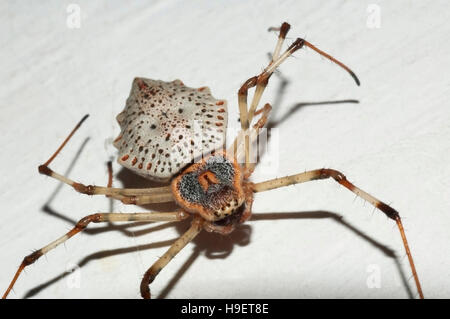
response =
{"points": [[394, 144]]}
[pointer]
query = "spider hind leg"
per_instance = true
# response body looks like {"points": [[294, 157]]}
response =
{"points": [[342, 180]]}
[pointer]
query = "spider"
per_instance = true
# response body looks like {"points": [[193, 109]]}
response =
{"points": [[210, 185]]}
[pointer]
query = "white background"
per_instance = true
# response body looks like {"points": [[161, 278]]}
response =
{"points": [[394, 144]]}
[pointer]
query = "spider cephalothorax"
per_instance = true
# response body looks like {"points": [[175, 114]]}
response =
{"points": [[214, 188]]}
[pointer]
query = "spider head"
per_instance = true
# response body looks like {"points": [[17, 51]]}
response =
{"points": [[211, 188]]}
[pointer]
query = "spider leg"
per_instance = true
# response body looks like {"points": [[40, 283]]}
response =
{"points": [[110, 174], [260, 81], [284, 29], [95, 218], [342, 180], [253, 135], [180, 243], [243, 113], [265, 111], [126, 195]]}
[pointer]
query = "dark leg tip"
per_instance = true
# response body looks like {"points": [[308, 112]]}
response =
{"points": [[82, 120], [355, 78], [284, 29], [43, 169]]}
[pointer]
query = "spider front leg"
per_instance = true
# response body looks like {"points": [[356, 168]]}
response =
{"points": [[342, 180], [95, 218], [250, 136], [180, 243], [126, 195], [260, 81]]}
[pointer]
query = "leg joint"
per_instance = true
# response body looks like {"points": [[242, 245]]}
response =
{"points": [[296, 45], [94, 218], [44, 170], [89, 189], [336, 175], [263, 78], [389, 211], [247, 85], [28, 260], [130, 200]]}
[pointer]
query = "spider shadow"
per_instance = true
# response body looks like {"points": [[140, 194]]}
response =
{"points": [[298, 106], [278, 99], [128, 179], [218, 246], [284, 83], [215, 246], [274, 122]]}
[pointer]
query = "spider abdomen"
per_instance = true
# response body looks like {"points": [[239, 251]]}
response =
{"points": [[166, 125]]}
